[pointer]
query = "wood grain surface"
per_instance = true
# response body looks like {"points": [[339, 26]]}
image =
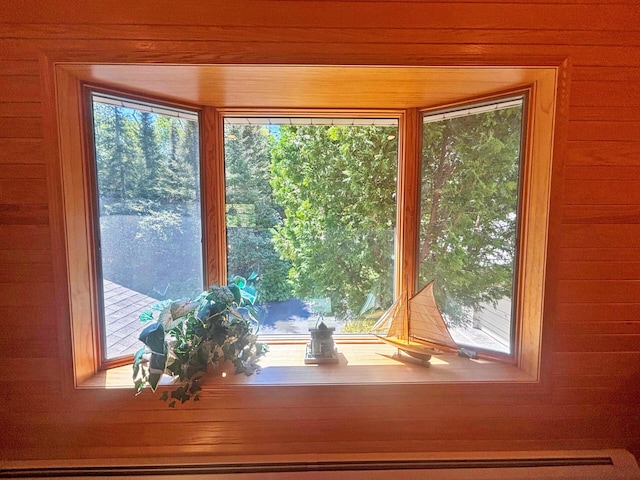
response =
{"points": [[591, 397]]}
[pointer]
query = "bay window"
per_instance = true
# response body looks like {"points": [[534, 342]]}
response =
{"points": [[338, 209]]}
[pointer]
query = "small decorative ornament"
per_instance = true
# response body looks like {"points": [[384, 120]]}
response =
{"points": [[321, 348]]}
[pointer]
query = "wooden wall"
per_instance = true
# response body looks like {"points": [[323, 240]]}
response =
{"points": [[593, 299]]}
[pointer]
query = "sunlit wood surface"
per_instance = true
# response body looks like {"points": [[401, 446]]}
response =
{"points": [[298, 86], [591, 395], [363, 364]]}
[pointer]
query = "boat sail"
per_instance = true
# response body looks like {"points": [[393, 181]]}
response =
{"points": [[415, 326]]}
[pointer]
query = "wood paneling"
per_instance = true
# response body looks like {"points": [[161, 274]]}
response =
{"points": [[21, 88], [309, 86], [21, 150], [592, 396], [594, 153], [24, 237], [262, 34], [32, 214], [337, 14]]}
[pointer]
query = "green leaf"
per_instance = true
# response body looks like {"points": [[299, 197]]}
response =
{"points": [[220, 294], [161, 305], [237, 293], [195, 388], [137, 360], [139, 385], [249, 294], [165, 318], [146, 316], [154, 378], [180, 394], [157, 363], [153, 337], [180, 308]]}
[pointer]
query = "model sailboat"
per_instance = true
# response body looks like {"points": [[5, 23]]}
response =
{"points": [[415, 326]]}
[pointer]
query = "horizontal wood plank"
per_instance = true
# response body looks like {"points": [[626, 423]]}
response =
{"points": [[21, 171], [8, 257], [15, 109], [19, 127], [603, 113], [592, 153], [599, 236], [623, 363], [604, 291], [600, 313], [19, 88], [599, 270], [602, 172], [597, 214], [25, 273], [619, 131], [600, 254], [23, 191], [597, 343], [44, 349], [605, 93], [21, 151], [264, 34], [602, 192], [598, 328], [606, 74], [27, 214], [13, 68], [27, 294], [25, 237], [340, 53], [31, 370], [318, 14]]}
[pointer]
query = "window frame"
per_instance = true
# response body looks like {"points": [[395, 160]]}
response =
{"points": [[400, 115], [78, 240], [90, 92], [523, 160]]}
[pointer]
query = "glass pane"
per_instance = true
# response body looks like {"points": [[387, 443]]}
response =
{"points": [[147, 167], [311, 212], [468, 220]]}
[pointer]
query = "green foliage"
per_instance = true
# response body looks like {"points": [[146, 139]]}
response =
{"points": [[469, 203], [337, 188], [186, 337], [148, 186], [252, 212]]}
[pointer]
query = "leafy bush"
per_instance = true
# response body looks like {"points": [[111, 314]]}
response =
{"points": [[187, 336]]}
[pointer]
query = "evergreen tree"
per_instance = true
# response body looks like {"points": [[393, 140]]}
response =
{"points": [[337, 187], [252, 212], [118, 163], [150, 150], [469, 202]]}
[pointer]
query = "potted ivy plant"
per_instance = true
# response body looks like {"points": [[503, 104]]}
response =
{"points": [[187, 338]]}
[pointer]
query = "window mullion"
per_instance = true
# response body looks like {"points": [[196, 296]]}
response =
{"points": [[408, 203], [213, 192]]}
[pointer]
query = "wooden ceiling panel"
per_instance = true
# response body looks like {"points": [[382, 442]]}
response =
{"points": [[298, 86]]}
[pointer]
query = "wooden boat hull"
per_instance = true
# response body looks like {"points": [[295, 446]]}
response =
{"points": [[413, 349]]}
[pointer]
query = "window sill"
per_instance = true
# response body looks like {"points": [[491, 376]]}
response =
{"points": [[359, 364]]}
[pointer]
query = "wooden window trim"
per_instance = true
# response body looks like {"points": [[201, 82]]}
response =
{"points": [[75, 218], [90, 164], [522, 205]]}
